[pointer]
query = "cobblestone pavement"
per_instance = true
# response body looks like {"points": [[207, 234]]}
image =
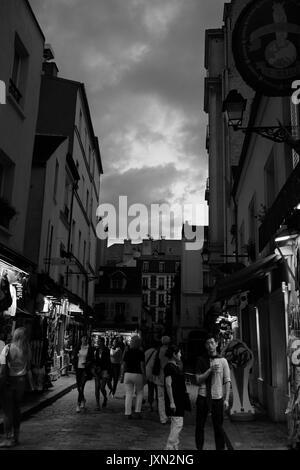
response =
{"points": [[59, 427]]}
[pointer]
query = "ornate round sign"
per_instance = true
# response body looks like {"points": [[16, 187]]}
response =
{"points": [[266, 45]]}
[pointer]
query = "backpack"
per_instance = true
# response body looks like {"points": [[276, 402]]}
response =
{"points": [[156, 364]]}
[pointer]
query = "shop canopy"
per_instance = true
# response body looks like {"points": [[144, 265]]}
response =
{"points": [[244, 279]]}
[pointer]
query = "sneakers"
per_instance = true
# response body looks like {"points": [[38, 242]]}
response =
{"points": [[77, 409], [104, 403], [97, 407], [82, 405]]}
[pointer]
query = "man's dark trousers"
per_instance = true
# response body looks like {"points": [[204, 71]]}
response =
{"points": [[217, 415]]}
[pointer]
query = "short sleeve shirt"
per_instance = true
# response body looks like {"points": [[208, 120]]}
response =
{"points": [[133, 359], [178, 389], [218, 379]]}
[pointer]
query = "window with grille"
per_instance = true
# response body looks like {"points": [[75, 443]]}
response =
{"points": [[146, 266], [161, 283]]}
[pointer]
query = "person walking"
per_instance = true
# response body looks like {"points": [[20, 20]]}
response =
{"points": [[102, 373], [149, 362], [159, 379], [134, 376], [82, 362], [175, 395], [116, 361], [17, 357], [212, 372], [2, 342]]}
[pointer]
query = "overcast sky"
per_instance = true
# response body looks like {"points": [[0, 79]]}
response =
{"points": [[142, 62]]}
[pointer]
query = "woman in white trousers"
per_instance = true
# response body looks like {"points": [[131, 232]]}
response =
{"points": [[134, 376]]}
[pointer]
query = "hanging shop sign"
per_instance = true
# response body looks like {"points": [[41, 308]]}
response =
{"points": [[5, 295], [266, 46], [12, 282], [11, 311]]}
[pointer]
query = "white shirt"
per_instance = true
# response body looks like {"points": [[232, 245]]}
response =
{"points": [[218, 379]]}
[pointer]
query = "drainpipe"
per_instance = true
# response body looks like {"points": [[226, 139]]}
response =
{"points": [[74, 188], [236, 234]]}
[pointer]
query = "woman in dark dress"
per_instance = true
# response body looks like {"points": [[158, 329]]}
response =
{"points": [[175, 395]]}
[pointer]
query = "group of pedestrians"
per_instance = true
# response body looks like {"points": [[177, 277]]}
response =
{"points": [[98, 362], [160, 367]]}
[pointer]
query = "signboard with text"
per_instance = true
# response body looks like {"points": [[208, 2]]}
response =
{"points": [[266, 45]]}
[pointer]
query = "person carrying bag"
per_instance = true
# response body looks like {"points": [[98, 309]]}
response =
{"points": [[15, 361]]}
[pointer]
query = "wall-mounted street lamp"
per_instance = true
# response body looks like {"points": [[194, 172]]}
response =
{"points": [[234, 107], [285, 235]]}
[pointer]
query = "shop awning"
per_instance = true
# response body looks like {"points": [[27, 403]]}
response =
{"points": [[243, 280]]}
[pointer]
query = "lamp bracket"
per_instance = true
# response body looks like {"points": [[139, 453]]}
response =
{"points": [[277, 134]]}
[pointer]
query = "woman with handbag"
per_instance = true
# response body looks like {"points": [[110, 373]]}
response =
{"points": [[15, 360], [82, 362], [176, 396]]}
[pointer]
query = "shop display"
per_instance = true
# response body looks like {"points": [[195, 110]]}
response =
{"points": [[293, 353], [240, 360]]}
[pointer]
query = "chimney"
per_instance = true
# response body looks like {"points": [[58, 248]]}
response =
{"points": [[50, 69], [127, 247]]}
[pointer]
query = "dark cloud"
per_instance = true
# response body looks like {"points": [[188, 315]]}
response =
{"points": [[143, 66]]}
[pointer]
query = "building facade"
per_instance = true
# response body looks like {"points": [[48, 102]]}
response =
{"points": [[65, 187], [159, 263], [21, 59], [253, 193], [118, 299]]}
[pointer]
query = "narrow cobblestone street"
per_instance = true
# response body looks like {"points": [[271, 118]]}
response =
{"points": [[59, 427]]}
